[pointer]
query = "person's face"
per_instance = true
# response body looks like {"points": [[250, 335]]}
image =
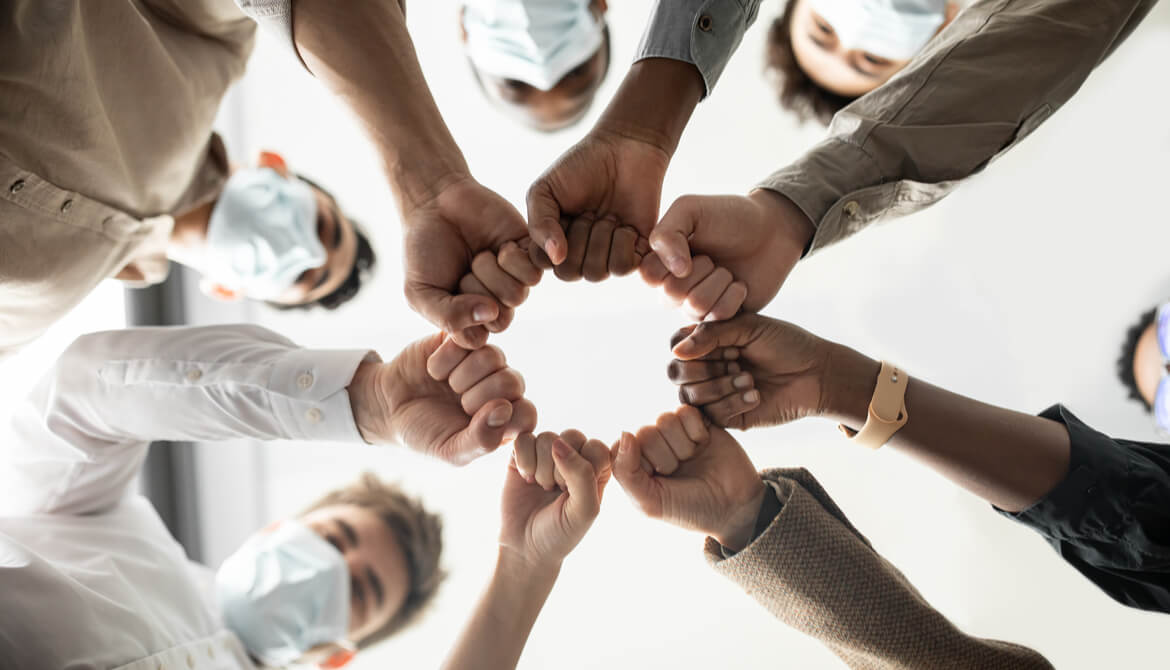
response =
{"points": [[339, 238], [840, 70], [1148, 364], [378, 574], [559, 107]]}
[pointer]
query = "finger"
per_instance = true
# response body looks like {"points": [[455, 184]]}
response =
{"points": [[443, 361], [707, 337], [623, 254], [576, 440], [627, 469], [578, 236], [517, 262], [544, 221], [677, 288], [597, 454], [652, 270], [596, 263], [523, 419], [693, 424], [483, 434], [722, 411], [453, 313], [524, 450], [656, 450], [690, 372], [471, 284], [705, 393], [681, 334], [671, 429], [486, 268], [729, 303], [584, 501], [544, 462], [670, 238], [478, 365], [506, 384], [702, 298]]}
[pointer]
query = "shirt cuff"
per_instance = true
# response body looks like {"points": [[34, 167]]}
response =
{"points": [[704, 33], [309, 394], [276, 18]]}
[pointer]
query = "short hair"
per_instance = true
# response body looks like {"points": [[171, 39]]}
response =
{"points": [[364, 262], [798, 92], [417, 531], [1128, 350]]}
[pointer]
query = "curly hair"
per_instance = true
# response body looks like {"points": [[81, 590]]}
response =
{"points": [[1128, 350], [798, 92]]}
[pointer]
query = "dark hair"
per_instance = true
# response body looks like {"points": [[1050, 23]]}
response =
{"points": [[798, 92], [417, 531], [364, 261], [1128, 350]]}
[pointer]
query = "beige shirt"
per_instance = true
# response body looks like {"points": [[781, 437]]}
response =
{"points": [[983, 84], [106, 110]]}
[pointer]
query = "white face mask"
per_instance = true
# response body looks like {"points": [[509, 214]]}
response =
{"points": [[534, 41], [894, 29], [284, 592], [263, 233]]}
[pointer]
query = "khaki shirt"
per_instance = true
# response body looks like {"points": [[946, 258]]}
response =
{"points": [[106, 110], [983, 84]]}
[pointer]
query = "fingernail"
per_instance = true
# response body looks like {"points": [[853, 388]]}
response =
{"points": [[685, 347], [482, 314], [752, 396], [560, 448], [743, 381], [499, 416], [550, 249], [677, 265], [733, 368], [730, 353]]}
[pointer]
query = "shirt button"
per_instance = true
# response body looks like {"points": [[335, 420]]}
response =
{"points": [[313, 415], [852, 208], [194, 375], [17, 186], [705, 23], [66, 206], [305, 380]]}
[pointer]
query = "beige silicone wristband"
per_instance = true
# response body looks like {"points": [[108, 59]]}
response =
{"points": [[887, 409]]}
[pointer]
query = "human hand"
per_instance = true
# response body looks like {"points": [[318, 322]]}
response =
{"points": [[442, 400], [691, 475], [552, 494], [707, 293], [442, 236], [589, 213], [750, 371], [758, 239], [505, 276]]}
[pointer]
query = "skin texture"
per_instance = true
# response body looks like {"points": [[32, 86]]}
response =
{"points": [[375, 558], [442, 400], [845, 71], [1148, 365]]}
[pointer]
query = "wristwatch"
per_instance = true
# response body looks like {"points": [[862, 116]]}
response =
{"points": [[887, 409]]}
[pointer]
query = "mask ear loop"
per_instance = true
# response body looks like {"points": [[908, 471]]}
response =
{"points": [[339, 658]]}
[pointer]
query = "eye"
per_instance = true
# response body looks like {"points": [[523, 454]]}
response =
{"points": [[355, 587], [334, 541], [823, 27], [876, 60]]}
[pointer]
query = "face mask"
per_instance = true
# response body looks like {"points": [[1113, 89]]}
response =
{"points": [[1162, 395], [534, 41], [894, 29], [284, 592], [263, 233]]}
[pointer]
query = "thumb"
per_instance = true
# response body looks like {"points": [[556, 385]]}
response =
{"points": [[670, 238], [483, 434], [711, 335], [627, 470], [584, 501], [544, 221], [454, 314]]}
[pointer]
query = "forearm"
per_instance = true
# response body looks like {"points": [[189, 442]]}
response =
{"points": [[654, 103], [1008, 458], [363, 53], [498, 629]]}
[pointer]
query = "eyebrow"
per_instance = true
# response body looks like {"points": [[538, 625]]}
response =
{"points": [[348, 530], [376, 585]]}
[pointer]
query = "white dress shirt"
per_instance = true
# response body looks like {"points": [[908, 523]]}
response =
{"points": [[89, 575]]}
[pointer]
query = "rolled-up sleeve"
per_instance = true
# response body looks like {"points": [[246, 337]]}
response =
{"points": [[704, 33], [1110, 516], [276, 18], [983, 84]]}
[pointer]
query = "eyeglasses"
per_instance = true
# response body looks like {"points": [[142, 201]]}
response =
{"points": [[1162, 395]]}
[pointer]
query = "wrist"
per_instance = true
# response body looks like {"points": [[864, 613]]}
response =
{"points": [[420, 181], [515, 568], [792, 226], [372, 407], [847, 386], [654, 103], [738, 529]]}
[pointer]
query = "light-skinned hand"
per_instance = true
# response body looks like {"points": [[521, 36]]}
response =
{"points": [[506, 276], [475, 405], [707, 293], [691, 475]]}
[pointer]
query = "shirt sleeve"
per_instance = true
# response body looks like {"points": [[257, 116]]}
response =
{"points": [[1110, 516], [77, 443], [276, 18], [704, 33], [818, 574], [984, 83]]}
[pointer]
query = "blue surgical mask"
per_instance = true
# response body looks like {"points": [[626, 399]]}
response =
{"points": [[284, 592], [894, 29], [534, 41], [263, 233]]}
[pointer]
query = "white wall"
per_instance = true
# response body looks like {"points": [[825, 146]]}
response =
{"points": [[1015, 290]]}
